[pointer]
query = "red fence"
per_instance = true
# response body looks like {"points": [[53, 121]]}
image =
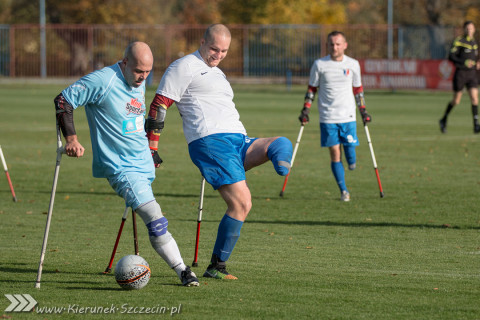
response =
{"points": [[257, 51]]}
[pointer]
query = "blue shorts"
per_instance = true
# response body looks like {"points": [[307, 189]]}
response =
{"points": [[220, 157], [134, 188], [338, 133]]}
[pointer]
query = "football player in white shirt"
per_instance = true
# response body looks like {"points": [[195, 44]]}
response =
{"points": [[337, 78], [217, 140]]}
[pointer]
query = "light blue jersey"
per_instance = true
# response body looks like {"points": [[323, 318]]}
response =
{"points": [[116, 116]]}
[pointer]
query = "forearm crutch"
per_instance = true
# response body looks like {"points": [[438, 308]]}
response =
{"points": [[367, 132], [7, 174], [299, 137], [199, 221], [124, 217], [60, 151]]}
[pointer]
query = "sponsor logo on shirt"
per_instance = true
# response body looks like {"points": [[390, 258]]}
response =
{"points": [[135, 107]]}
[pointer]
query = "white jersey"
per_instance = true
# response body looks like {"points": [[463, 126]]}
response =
{"points": [[203, 96], [335, 81]]}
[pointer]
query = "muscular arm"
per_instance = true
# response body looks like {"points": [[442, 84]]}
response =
{"points": [[156, 119]]}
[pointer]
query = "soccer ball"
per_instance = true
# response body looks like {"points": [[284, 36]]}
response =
{"points": [[132, 272]]}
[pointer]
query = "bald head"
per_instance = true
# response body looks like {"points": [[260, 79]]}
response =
{"points": [[216, 30], [138, 50], [137, 63], [215, 44]]}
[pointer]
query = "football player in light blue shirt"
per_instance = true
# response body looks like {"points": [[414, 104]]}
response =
{"points": [[114, 101]]}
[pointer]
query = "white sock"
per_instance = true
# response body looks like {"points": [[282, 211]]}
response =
{"points": [[171, 254]]}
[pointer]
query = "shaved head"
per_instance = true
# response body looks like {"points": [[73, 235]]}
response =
{"points": [[138, 51], [137, 63], [216, 30]]}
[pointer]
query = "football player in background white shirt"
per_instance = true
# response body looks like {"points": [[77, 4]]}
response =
{"points": [[337, 78], [217, 140]]}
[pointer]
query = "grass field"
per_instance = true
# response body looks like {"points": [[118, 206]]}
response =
{"points": [[414, 254]]}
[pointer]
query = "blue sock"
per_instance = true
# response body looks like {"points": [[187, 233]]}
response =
{"points": [[339, 174], [227, 236], [280, 153], [350, 154]]}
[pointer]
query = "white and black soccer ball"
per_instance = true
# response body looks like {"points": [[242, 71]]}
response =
{"points": [[132, 272]]}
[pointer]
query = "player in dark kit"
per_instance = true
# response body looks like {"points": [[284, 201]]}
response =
{"points": [[464, 54]]}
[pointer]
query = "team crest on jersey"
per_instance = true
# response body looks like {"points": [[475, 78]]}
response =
{"points": [[346, 72], [135, 107]]}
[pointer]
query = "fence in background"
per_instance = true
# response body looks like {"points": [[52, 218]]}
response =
{"points": [[256, 50]]}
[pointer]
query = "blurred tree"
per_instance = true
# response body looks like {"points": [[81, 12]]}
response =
{"points": [[197, 11], [412, 12], [365, 11], [5, 11], [303, 12], [89, 11], [238, 12], [408, 12]]}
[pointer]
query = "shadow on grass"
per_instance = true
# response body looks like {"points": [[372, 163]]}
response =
{"points": [[24, 268], [115, 289], [365, 224], [349, 224], [102, 193]]}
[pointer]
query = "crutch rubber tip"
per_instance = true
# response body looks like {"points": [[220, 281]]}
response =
{"points": [[14, 199], [281, 194], [194, 264], [108, 270], [381, 195]]}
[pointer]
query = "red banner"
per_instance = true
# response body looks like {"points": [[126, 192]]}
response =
{"points": [[407, 74]]}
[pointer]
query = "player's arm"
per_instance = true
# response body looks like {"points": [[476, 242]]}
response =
{"points": [[155, 124], [64, 114], [360, 101], [309, 96], [454, 56]]}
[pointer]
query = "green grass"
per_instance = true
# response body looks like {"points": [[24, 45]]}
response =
{"points": [[411, 255]]}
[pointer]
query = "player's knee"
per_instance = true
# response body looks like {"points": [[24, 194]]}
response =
{"points": [[240, 208], [280, 153], [155, 222], [245, 206]]}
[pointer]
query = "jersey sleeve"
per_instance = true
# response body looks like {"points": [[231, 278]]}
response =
{"points": [[314, 80], [175, 81], [87, 90], [357, 75]]}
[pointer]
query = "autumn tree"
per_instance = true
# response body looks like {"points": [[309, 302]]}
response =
{"points": [[303, 12]]}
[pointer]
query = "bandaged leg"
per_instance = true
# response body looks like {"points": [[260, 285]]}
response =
{"points": [[339, 174], [280, 153], [161, 240], [227, 236], [350, 155]]}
